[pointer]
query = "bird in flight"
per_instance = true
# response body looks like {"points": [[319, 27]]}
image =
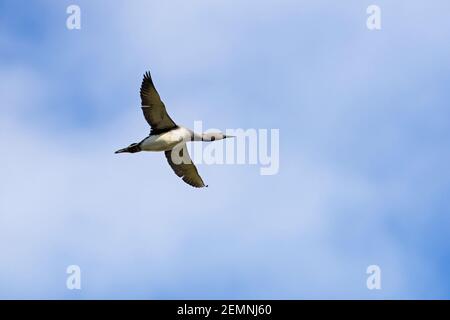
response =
{"points": [[166, 135]]}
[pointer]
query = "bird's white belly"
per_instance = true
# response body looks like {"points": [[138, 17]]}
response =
{"points": [[163, 142]]}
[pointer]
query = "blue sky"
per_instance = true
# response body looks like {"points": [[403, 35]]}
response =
{"points": [[364, 125]]}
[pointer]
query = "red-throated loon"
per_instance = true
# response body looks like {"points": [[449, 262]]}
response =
{"points": [[167, 136]]}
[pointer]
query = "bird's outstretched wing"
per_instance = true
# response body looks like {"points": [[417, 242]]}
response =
{"points": [[154, 110], [184, 167]]}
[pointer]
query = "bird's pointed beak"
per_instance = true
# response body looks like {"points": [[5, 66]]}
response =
{"points": [[228, 136], [122, 150]]}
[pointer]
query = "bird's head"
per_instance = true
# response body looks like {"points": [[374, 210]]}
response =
{"points": [[132, 148]]}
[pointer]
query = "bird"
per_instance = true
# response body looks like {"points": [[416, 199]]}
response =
{"points": [[168, 137]]}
